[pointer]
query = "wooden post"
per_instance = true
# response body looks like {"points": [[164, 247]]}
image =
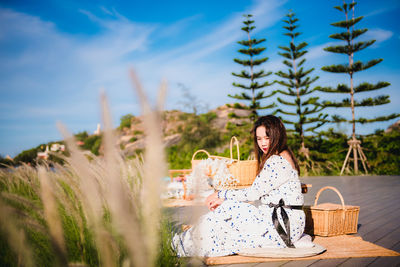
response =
{"points": [[305, 151], [355, 156], [363, 158], [355, 147]]}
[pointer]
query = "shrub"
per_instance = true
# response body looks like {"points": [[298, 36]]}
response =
{"points": [[92, 143], [81, 136], [5, 162], [27, 156], [126, 121]]}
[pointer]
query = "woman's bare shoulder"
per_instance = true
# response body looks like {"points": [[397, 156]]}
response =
{"points": [[286, 155]]}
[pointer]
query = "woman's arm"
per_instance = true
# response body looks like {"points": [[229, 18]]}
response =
{"points": [[274, 173]]}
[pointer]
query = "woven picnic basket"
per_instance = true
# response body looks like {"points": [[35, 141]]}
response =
{"points": [[244, 171], [197, 161], [328, 219]]}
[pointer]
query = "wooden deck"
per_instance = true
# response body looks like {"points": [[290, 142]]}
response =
{"points": [[379, 219]]}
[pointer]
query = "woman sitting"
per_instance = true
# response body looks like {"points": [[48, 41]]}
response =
{"points": [[232, 224]]}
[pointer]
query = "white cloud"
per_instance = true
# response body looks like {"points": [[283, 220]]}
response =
{"points": [[318, 52], [48, 75], [380, 35], [387, 7], [54, 64], [70, 68], [177, 27], [221, 36], [196, 62], [378, 11]]}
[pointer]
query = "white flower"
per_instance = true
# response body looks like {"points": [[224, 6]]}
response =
{"points": [[198, 181]]}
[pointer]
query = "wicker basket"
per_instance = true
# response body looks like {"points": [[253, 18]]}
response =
{"points": [[244, 171], [330, 219], [197, 161]]}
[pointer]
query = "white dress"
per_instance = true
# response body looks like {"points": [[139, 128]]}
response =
{"points": [[237, 225]]}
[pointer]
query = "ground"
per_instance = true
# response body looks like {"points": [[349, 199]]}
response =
{"points": [[379, 218]]}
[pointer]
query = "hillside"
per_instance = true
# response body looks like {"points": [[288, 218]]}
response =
{"points": [[174, 124], [184, 133]]}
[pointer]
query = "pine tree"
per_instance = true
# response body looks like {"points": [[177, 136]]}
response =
{"points": [[253, 90], [349, 48], [298, 82]]}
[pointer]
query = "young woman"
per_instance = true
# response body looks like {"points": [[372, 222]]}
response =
{"points": [[232, 224]]}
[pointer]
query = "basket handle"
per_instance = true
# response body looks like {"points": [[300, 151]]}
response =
{"points": [[198, 151], [237, 147], [332, 188]]}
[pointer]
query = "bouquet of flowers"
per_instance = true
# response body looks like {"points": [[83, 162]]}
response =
{"points": [[211, 173]]}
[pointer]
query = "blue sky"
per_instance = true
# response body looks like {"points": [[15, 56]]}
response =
{"points": [[57, 56]]}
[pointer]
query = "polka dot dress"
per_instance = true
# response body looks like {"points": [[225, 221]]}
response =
{"points": [[237, 225]]}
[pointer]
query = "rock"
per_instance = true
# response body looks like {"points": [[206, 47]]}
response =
{"points": [[172, 122], [125, 139], [130, 149], [223, 116], [172, 140]]}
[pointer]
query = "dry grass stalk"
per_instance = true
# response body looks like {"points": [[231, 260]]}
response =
{"points": [[70, 202], [20, 199], [118, 195], [52, 216], [128, 190], [90, 190], [15, 236], [154, 169], [86, 176], [94, 185], [23, 215]]}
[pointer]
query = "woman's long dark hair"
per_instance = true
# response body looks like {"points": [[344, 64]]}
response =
{"points": [[276, 132]]}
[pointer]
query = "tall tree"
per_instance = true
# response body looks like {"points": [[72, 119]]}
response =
{"points": [[350, 47], [298, 80], [253, 89]]}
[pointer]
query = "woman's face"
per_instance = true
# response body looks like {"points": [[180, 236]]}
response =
{"points": [[262, 139]]}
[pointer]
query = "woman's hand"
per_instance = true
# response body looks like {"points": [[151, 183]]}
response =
{"points": [[213, 201]]}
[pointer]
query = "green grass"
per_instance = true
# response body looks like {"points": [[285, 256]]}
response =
{"points": [[91, 212]]}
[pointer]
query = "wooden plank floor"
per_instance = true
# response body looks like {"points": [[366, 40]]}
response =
{"points": [[379, 219]]}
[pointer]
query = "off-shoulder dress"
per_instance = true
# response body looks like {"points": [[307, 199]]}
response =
{"points": [[237, 224]]}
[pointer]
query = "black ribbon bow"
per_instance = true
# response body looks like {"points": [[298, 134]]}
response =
{"points": [[285, 235]]}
